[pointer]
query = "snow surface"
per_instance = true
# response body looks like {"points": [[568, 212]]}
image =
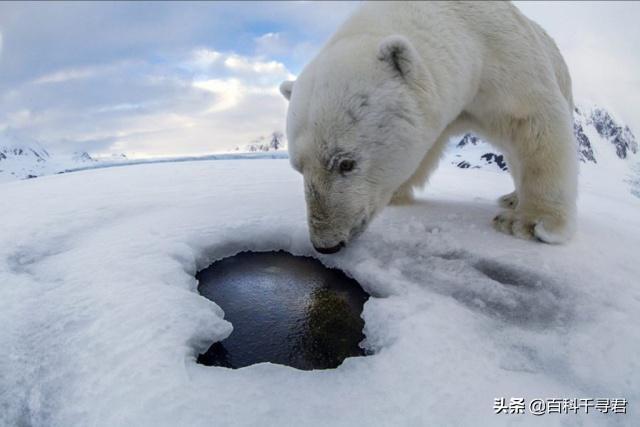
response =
{"points": [[101, 322]]}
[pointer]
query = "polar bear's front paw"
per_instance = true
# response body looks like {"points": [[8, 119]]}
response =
{"points": [[545, 228], [509, 201], [509, 222]]}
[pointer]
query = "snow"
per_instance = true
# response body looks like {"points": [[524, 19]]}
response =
{"points": [[102, 323], [475, 156]]}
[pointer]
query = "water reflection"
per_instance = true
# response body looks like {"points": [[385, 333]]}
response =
{"points": [[284, 309]]}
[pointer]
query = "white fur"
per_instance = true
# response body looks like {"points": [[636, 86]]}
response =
{"points": [[397, 80]]}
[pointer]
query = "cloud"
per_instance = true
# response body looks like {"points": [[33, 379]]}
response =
{"points": [[152, 78], [239, 63], [203, 102], [171, 78], [228, 92], [65, 75], [272, 44], [204, 58], [598, 41], [606, 77]]}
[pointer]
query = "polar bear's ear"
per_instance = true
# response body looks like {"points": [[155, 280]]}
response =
{"points": [[398, 52], [286, 88]]}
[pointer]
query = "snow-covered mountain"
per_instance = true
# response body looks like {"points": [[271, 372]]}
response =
{"points": [[23, 158], [274, 142], [31, 160], [608, 129], [473, 152]]}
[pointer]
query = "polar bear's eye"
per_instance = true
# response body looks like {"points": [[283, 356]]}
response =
{"points": [[346, 165]]}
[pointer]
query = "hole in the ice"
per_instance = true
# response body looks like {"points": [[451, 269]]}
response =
{"points": [[284, 309]]}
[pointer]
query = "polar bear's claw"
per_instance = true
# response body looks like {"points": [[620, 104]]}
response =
{"points": [[545, 229], [509, 223], [509, 201]]}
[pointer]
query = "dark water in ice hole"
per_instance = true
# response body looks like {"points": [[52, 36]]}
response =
{"points": [[284, 309]]}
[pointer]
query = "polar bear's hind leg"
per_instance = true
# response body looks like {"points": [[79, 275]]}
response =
{"points": [[546, 196]]}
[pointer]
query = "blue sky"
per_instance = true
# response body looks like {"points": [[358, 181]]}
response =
{"points": [[173, 78]]}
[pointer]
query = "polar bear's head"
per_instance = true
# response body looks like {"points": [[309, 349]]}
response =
{"points": [[355, 129]]}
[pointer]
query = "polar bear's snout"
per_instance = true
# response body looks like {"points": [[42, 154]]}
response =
{"points": [[334, 217], [331, 250], [327, 240], [324, 238]]}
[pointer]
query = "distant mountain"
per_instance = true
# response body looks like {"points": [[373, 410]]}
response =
{"points": [[82, 156], [33, 161], [473, 152], [274, 142], [607, 128], [40, 154]]}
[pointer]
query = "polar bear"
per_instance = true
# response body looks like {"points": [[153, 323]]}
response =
{"points": [[370, 115]]}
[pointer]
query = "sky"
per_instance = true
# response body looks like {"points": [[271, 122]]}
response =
{"points": [[176, 78]]}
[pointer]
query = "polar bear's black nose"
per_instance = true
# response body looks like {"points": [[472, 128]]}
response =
{"points": [[331, 250]]}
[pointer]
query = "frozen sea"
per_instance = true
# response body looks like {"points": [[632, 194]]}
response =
{"points": [[101, 322]]}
